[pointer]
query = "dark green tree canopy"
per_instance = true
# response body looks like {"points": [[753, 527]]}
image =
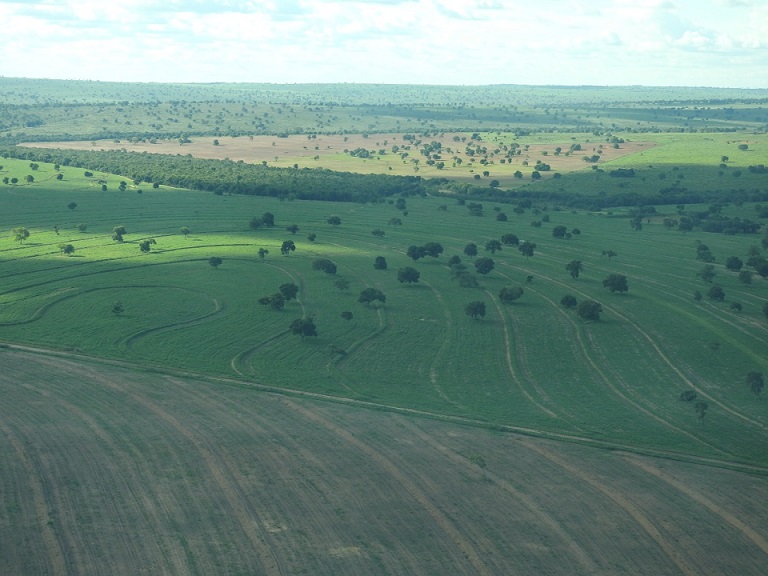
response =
{"points": [[408, 274], [509, 294], [616, 283], [289, 290], [470, 250], [303, 327], [475, 309], [589, 310], [484, 265], [371, 295], [574, 268], [569, 301], [287, 247], [325, 265]]}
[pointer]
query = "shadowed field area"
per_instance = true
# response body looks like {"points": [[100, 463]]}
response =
{"points": [[110, 470]]}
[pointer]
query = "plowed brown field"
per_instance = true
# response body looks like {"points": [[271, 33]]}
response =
{"points": [[108, 470]]}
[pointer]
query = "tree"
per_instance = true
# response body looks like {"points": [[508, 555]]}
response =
{"points": [[395, 222], [347, 315], [433, 249], [293, 228], [688, 395], [371, 295], [379, 233], [526, 249], [616, 283], [701, 410], [569, 301], [29, 178], [20, 234], [510, 239], [82, 227], [276, 301], [118, 232], [267, 219], [184, 231], [289, 290], [509, 294], [215, 261], [470, 250], [697, 296], [707, 273], [311, 236], [263, 253], [589, 310], [72, 205], [415, 252], [475, 309], [755, 383], [303, 327], [334, 221], [287, 247], [716, 293], [66, 249], [765, 309], [117, 308], [493, 246], [559, 231], [501, 216], [574, 268], [609, 253], [380, 263], [341, 284], [484, 265], [408, 274], [325, 265], [734, 263], [736, 306], [146, 245], [745, 277]]}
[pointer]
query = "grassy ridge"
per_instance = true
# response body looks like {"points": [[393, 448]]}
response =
{"points": [[531, 364]]}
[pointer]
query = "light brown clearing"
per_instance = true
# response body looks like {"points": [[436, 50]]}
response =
{"points": [[300, 150], [108, 470]]}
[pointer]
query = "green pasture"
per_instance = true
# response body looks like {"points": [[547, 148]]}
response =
{"points": [[532, 364]]}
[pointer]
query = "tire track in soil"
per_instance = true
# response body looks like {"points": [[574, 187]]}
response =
{"points": [[173, 560], [748, 532], [624, 503], [444, 523], [54, 551], [533, 507], [256, 534]]}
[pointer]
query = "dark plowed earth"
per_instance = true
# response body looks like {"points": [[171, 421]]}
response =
{"points": [[105, 470]]}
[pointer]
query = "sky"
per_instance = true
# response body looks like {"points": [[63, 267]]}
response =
{"points": [[721, 43]]}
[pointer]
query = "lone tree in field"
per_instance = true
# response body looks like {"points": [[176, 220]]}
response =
{"points": [[755, 383], [559, 232], [263, 253], [574, 268], [510, 239], [146, 245], [470, 249], [526, 249], [509, 294], [734, 263], [311, 236], [378, 232], [287, 247], [215, 261], [701, 410], [707, 273], [716, 293], [20, 234], [371, 295], [293, 228], [616, 283], [118, 232], [475, 309], [325, 265], [408, 274], [267, 220], [303, 327], [289, 290], [72, 205], [484, 265], [380, 263], [609, 253], [67, 249], [415, 252], [184, 231], [82, 227], [493, 246], [569, 301], [433, 249], [342, 284], [589, 310], [276, 301], [117, 308], [347, 315], [334, 221]]}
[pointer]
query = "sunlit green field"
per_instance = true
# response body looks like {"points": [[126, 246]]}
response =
{"points": [[532, 364]]}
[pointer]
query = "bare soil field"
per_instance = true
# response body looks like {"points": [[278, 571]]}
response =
{"points": [[109, 470], [327, 151]]}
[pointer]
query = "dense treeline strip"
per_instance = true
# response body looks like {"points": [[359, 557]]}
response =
{"points": [[229, 177]]}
